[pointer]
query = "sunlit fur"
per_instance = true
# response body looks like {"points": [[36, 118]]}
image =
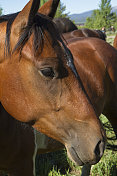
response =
{"points": [[84, 32]]}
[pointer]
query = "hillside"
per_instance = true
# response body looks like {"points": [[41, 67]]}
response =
{"points": [[81, 18]]}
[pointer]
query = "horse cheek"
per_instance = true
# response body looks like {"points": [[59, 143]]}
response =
{"points": [[11, 91]]}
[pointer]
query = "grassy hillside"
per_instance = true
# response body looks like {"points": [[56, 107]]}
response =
{"points": [[81, 18]]}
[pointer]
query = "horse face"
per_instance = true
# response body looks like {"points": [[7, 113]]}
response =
{"points": [[39, 88], [45, 93]]}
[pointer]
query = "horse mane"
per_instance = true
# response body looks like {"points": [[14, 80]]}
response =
{"points": [[101, 34], [9, 18], [40, 24], [4, 18]]}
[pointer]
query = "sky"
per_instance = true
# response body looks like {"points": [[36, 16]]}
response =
{"points": [[72, 6]]}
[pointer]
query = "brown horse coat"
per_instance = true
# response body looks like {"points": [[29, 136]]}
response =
{"points": [[84, 32], [96, 63], [64, 25], [17, 146]]}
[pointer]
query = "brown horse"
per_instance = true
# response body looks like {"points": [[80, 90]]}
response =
{"points": [[65, 25], [115, 42], [84, 32], [40, 85], [96, 63], [15, 158]]}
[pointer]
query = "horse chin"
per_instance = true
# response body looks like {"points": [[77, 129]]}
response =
{"points": [[73, 156]]}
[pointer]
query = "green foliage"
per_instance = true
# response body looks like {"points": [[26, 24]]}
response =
{"points": [[110, 37], [61, 11], [1, 11], [107, 165], [42, 2], [55, 164], [102, 17], [115, 25]]}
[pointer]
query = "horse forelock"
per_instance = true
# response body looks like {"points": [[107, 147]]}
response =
{"points": [[40, 24], [9, 18]]}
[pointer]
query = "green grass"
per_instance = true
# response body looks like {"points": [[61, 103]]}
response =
{"points": [[111, 33], [110, 37]]}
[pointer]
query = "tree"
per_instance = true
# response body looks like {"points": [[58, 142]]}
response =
{"points": [[1, 11], [43, 2], [90, 21], [102, 17], [60, 10]]}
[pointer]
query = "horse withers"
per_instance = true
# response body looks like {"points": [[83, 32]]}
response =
{"points": [[40, 85], [84, 32]]}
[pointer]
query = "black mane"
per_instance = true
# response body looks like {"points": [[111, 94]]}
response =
{"points": [[40, 24], [101, 34], [8, 17]]}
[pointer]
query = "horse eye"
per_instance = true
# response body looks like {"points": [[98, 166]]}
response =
{"points": [[48, 72]]}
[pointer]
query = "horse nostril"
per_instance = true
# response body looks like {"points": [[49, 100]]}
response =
{"points": [[99, 149]]}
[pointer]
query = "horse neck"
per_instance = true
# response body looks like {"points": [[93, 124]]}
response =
{"points": [[7, 123], [12, 130]]}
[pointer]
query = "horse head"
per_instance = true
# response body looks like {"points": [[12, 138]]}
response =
{"points": [[40, 86]]}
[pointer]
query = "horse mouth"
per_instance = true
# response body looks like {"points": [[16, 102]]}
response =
{"points": [[72, 154]]}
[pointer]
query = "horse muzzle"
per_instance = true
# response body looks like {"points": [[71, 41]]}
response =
{"points": [[85, 154]]}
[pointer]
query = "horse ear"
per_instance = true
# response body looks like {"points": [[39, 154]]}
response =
{"points": [[49, 8], [28, 12], [24, 18]]}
